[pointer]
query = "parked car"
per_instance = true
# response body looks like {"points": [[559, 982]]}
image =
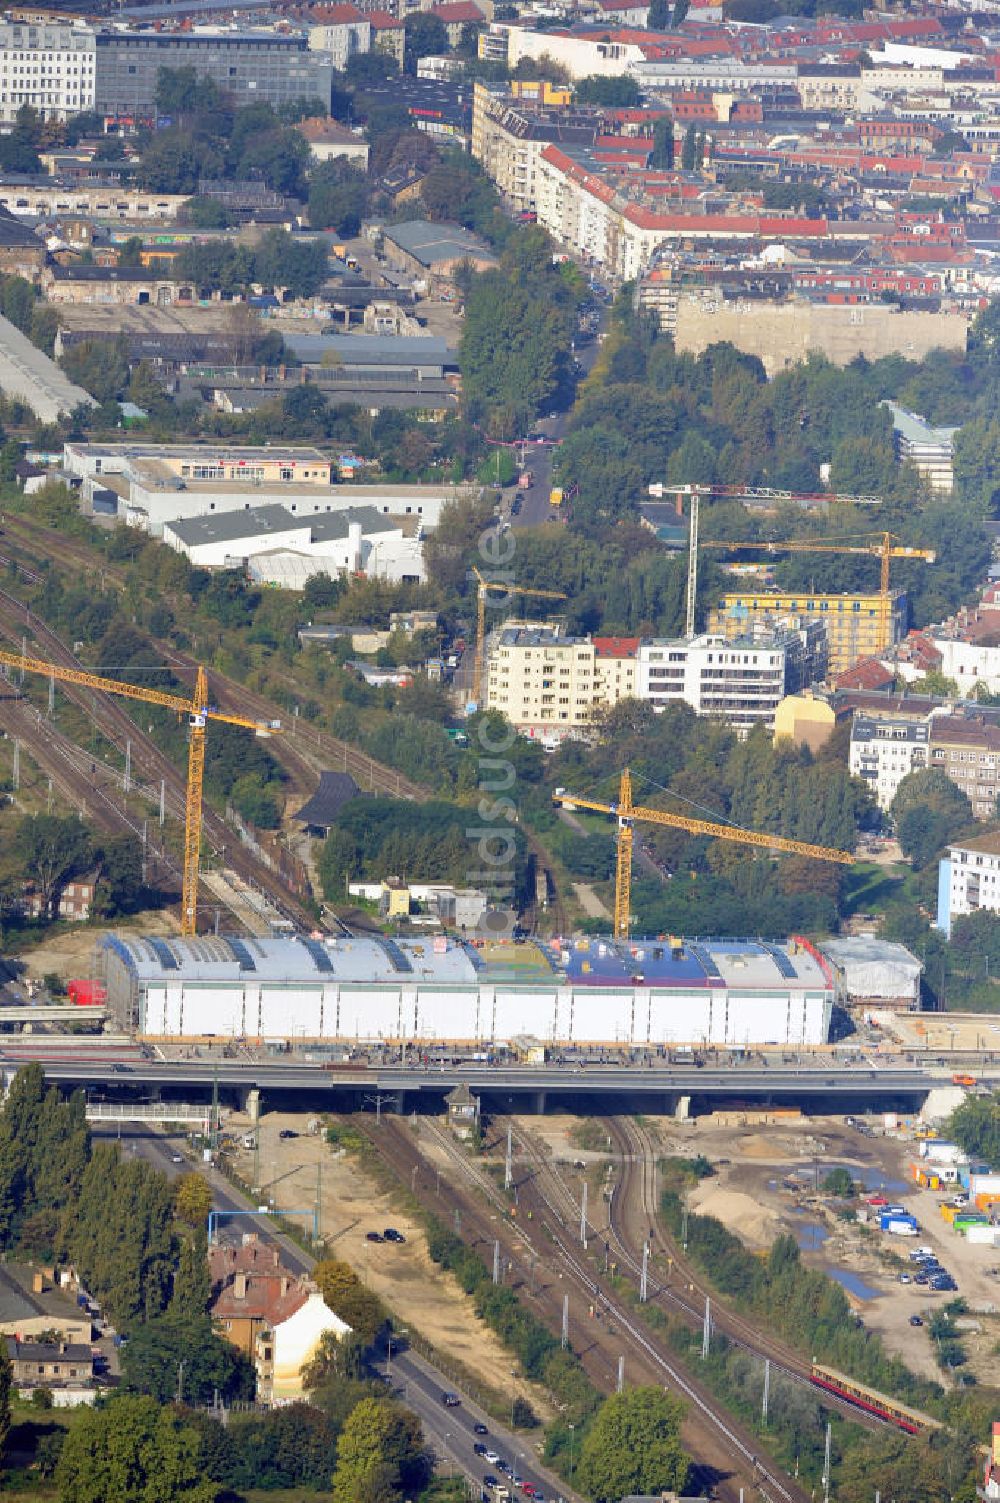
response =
{"points": [[288, 1132], [490, 1481], [480, 1429], [915, 1320], [904, 1278], [492, 1457], [450, 1400], [373, 1237], [391, 1235], [479, 1449]]}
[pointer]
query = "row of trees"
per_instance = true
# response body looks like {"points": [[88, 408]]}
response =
{"points": [[374, 837]]}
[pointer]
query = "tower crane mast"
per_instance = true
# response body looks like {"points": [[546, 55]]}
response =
{"points": [[199, 713]]}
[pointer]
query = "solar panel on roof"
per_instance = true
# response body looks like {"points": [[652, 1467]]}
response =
{"points": [[400, 962], [164, 954], [782, 961], [320, 955], [702, 955], [242, 954]]}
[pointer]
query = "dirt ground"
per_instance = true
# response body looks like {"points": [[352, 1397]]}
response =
{"points": [[768, 1180], [71, 952], [943, 1032], [418, 1293]]}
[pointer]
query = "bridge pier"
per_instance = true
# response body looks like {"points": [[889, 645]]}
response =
{"points": [[682, 1108], [540, 1101]]}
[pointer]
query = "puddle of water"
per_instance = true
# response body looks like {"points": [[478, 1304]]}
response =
{"points": [[810, 1235], [852, 1283], [872, 1178]]}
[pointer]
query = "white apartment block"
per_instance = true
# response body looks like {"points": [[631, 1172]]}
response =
{"points": [[969, 880], [884, 751], [741, 683], [47, 65]]}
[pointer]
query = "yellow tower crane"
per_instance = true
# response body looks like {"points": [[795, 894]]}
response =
{"points": [[199, 714], [626, 813], [881, 545], [484, 586]]}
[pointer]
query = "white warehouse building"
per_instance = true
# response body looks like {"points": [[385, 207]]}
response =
{"points": [[371, 989]]}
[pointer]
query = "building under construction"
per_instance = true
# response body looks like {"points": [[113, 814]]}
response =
{"points": [[373, 990], [852, 621]]}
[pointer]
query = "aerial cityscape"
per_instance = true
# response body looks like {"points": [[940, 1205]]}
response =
{"points": [[500, 751]]}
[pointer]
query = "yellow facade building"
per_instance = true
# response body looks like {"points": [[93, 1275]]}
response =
{"points": [[851, 620]]}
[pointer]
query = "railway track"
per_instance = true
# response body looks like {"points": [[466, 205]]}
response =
{"points": [[148, 760], [304, 750], [634, 1207], [599, 1338]]}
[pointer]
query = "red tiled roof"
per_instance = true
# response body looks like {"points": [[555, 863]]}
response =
{"points": [[616, 647], [454, 11], [382, 20], [867, 673], [271, 1297], [336, 15]]}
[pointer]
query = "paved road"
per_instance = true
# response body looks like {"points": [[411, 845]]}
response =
{"points": [[535, 507], [750, 1079], [419, 1384]]}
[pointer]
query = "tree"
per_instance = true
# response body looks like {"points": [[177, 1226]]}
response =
{"points": [[51, 849], [206, 213], [929, 810], [338, 198], [370, 68], [617, 92], [130, 253], [100, 366], [975, 1126], [6, 1381], [174, 161], [284, 260], [663, 144], [192, 1291], [181, 91], [171, 1354], [348, 1298], [658, 18], [425, 37], [380, 1453], [634, 1447], [193, 1199], [134, 1451]]}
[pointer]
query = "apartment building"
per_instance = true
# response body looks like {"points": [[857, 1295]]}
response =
{"points": [[543, 682], [616, 669], [344, 32], [740, 680], [968, 750], [550, 685], [510, 135], [851, 621], [50, 66], [969, 880], [885, 750]]}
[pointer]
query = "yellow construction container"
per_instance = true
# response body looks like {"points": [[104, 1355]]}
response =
{"points": [[950, 1212]]}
